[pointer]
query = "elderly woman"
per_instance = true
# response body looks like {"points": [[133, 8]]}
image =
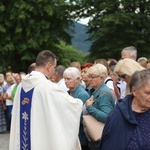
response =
{"points": [[72, 77], [103, 100], [128, 124], [85, 78], [108, 80], [125, 68]]}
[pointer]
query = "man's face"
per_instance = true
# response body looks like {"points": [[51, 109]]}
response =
{"points": [[8, 74], [18, 79], [127, 55]]}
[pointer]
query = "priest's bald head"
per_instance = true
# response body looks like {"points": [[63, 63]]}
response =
{"points": [[46, 61]]}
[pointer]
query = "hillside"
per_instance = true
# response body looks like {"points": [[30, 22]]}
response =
{"points": [[80, 37]]}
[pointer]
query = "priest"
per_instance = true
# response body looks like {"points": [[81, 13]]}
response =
{"points": [[44, 117]]}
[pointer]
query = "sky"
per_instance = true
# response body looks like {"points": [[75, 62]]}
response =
{"points": [[84, 21]]}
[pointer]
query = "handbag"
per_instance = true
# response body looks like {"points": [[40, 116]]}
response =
{"points": [[92, 127]]}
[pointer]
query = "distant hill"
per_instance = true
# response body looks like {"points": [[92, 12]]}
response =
{"points": [[80, 37]]}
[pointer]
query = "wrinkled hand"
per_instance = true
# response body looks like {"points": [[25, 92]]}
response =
{"points": [[89, 102]]}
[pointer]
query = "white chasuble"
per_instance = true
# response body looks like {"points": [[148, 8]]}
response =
{"points": [[44, 117]]}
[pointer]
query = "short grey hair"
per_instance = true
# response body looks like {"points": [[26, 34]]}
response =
{"points": [[72, 72], [139, 78], [60, 70], [141, 59], [130, 49], [99, 70]]}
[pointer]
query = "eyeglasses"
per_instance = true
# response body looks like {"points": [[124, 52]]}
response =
{"points": [[122, 76], [92, 77]]}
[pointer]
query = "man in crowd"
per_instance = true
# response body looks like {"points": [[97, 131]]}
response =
{"points": [[44, 116]]}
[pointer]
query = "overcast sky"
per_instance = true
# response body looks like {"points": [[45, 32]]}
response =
{"points": [[84, 21]]}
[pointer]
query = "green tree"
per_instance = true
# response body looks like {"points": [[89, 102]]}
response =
{"points": [[116, 24], [68, 54], [27, 27]]}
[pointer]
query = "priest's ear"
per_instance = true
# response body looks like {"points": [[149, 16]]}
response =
{"points": [[48, 66]]}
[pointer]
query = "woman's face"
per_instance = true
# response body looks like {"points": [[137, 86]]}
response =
{"points": [[84, 75], [124, 77], [71, 82], [95, 81], [142, 96]]}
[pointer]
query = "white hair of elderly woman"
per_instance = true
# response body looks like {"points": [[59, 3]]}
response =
{"points": [[72, 72]]}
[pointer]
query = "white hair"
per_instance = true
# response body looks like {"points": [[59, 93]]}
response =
{"points": [[131, 50], [141, 59], [99, 70], [72, 72]]}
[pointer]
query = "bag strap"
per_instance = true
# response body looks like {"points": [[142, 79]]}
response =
{"points": [[108, 81]]}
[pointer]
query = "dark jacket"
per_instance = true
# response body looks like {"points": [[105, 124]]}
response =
{"points": [[119, 127]]}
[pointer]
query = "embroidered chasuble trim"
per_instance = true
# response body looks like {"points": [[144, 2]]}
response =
{"points": [[25, 113]]}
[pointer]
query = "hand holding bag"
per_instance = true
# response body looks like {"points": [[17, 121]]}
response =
{"points": [[94, 128]]}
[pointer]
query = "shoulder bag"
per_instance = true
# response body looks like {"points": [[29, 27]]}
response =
{"points": [[93, 127]]}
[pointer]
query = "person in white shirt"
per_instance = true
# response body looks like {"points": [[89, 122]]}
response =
{"points": [[8, 100]]}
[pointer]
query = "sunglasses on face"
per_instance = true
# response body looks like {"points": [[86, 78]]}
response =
{"points": [[122, 76]]}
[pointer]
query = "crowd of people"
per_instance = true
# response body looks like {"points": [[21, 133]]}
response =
{"points": [[44, 108], [8, 86]]}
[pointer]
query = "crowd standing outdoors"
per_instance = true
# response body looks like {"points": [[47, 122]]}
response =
{"points": [[45, 107], [8, 84]]}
